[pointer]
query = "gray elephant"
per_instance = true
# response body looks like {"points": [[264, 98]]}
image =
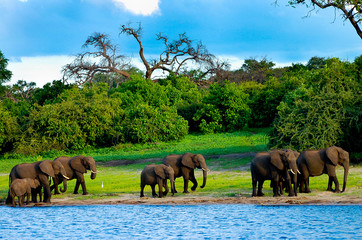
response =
{"points": [[41, 171], [157, 174], [274, 165], [313, 163], [184, 165], [75, 167], [21, 187]]}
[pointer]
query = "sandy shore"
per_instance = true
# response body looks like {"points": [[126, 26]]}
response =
{"points": [[324, 198]]}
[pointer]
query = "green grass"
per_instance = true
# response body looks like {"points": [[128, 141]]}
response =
{"points": [[228, 176]]}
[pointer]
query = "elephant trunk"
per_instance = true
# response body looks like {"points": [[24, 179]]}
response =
{"points": [[64, 185], [93, 172], [346, 168], [172, 181], [204, 171]]}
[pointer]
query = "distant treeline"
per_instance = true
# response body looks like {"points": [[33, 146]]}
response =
{"points": [[309, 106]]}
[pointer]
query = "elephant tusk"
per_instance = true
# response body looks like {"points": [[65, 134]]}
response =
{"points": [[65, 177], [298, 171], [292, 171], [204, 169], [93, 171]]}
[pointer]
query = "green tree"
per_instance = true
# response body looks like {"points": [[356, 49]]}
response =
{"points": [[5, 74], [314, 116], [9, 129], [225, 108]]}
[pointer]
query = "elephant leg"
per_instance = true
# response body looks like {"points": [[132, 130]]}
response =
{"points": [[45, 184], [56, 182], [142, 189], [331, 170], [27, 197], [154, 194], [260, 188], [307, 189], [166, 187], [160, 187], [193, 180], [13, 201], [330, 181], [81, 180], [254, 182], [336, 183], [21, 200], [76, 188], [275, 187]]}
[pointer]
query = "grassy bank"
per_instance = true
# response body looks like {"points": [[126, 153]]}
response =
{"points": [[229, 175]]}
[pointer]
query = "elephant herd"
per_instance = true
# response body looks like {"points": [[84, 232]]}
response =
{"points": [[285, 168], [290, 169], [30, 178]]}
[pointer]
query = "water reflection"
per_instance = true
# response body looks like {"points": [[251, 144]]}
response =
{"points": [[182, 222]]}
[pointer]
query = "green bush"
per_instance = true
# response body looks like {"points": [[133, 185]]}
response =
{"points": [[186, 96], [314, 115], [224, 109], [9, 129], [145, 123]]}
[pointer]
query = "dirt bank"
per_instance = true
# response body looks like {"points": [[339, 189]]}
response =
{"points": [[323, 198]]}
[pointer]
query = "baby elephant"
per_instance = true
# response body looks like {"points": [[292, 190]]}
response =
{"points": [[20, 187], [157, 174]]}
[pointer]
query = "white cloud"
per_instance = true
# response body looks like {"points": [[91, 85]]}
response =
{"points": [[40, 70], [139, 7]]}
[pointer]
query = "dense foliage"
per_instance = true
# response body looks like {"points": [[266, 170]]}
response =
{"points": [[305, 106], [324, 110]]}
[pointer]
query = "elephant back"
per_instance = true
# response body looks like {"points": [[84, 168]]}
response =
{"points": [[23, 170], [174, 161]]}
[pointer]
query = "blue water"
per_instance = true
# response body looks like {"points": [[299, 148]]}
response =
{"points": [[181, 222]]}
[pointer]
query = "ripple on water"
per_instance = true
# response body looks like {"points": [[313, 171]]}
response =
{"points": [[182, 222]]}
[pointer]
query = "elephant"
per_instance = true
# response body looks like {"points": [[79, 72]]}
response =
{"points": [[283, 184], [274, 165], [41, 170], [157, 174], [20, 188], [184, 165], [75, 167], [313, 163]]}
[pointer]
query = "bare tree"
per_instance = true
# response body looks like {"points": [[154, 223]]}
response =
{"points": [[21, 91], [176, 55], [351, 9], [102, 58]]}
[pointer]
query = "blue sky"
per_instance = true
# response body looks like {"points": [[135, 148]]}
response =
{"points": [[40, 36]]}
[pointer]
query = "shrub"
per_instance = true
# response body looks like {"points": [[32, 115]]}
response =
{"points": [[224, 109], [145, 123], [313, 116], [9, 129]]}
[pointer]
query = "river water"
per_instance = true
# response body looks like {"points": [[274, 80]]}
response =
{"points": [[181, 222]]}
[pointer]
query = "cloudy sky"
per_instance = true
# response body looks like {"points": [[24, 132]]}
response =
{"points": [[40, 36]]}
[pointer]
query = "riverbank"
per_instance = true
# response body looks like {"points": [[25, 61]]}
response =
{"points": [[322, 198]]}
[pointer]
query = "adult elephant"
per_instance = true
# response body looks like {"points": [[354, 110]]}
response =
{"points": [[275, 166], [41, 170], [75, 167], [157, 175], [184, 165], [313, 163]]}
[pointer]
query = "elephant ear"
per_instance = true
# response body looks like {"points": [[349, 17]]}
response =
{"points": [[77, 163], [332, 154], [276, 160], [160, 171], [187, 160], [47, 168]]}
